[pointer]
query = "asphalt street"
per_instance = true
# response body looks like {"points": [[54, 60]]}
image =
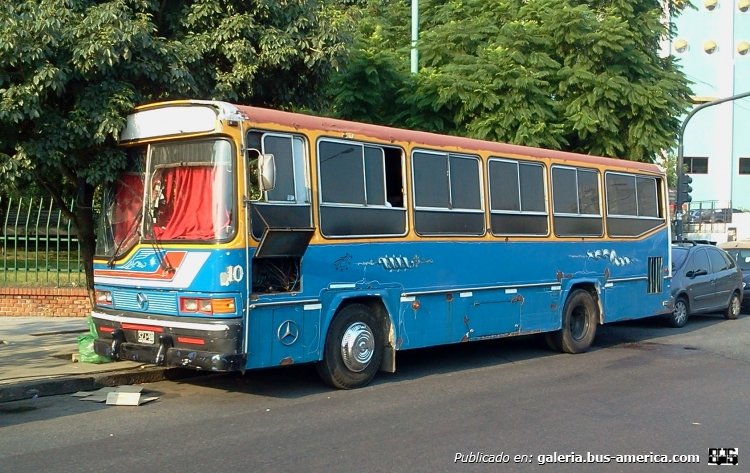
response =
{"points": [[645, 393]]}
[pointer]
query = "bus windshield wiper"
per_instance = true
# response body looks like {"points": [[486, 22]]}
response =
{"points": [[159, 251], [133, 230]]}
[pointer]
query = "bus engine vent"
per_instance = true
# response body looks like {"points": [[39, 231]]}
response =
{"points": [[654, 274]]}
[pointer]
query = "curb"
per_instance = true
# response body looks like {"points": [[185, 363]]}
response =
{"points": [[72, 384]]}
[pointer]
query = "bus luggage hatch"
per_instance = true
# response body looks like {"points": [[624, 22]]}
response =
{"points": [[284, 242]]}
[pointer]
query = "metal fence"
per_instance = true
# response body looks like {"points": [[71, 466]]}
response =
{"points": [[708, 216], [38, 244]]}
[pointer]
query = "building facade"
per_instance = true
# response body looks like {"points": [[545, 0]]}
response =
{"points": [[712, 43]]}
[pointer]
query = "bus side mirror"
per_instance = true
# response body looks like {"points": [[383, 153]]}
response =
{"points": [[267, 172]]}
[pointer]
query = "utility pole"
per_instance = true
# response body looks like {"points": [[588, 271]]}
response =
{"points": [[682, 182], [414, 35]]}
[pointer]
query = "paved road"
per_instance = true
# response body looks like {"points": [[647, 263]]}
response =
{"points": [[643, 389]]}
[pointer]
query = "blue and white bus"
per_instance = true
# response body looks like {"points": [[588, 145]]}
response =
{"points": [[241, 237]]}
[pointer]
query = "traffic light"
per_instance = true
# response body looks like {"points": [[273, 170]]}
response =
{"points": [[685, 189]]}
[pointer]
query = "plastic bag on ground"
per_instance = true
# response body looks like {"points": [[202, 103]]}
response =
{"points": [[86, 353]]}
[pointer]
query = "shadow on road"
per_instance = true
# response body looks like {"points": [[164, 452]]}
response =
{"points": [[302, 380], [650, 329]]}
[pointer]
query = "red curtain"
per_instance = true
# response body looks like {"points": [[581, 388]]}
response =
{"points": [[128, 204], [188, 209]]}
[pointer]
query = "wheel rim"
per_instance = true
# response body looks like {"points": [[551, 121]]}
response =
{"points": [[680, 312], [735, 306], [579, 323], [357, 346]]}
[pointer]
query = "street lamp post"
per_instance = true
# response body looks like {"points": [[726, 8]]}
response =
{"points": [[414, 36], [680, 150]]}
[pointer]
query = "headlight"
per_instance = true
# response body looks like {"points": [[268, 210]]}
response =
{"points": [[103, 297], [208, 306]]}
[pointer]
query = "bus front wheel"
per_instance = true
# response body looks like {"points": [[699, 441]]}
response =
{"points": [[354, 348], [578, 324]]}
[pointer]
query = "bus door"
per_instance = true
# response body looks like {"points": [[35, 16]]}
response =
{"points": [[279, 209]]}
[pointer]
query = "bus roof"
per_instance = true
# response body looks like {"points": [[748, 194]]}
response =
{"points": [[391, 134], [345, 128]]}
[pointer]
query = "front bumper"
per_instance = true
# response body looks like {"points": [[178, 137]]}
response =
{"points": [[201, 344], [164, 355]]}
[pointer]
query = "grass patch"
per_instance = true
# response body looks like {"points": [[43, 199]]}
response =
{"points": [[23, 278], [19, 268]]}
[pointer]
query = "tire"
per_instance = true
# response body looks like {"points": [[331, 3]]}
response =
{"points": [[680, 313], [551, 339], [732, 311], [580, 317], [354, 348]]}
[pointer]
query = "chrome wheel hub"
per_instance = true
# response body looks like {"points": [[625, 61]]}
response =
{"points": [[357, 346], [735, 306], [680, 312]]}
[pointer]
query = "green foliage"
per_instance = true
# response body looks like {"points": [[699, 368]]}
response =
{"points": [[564, 74], [669, 162], [368, 83], [71, 70]]}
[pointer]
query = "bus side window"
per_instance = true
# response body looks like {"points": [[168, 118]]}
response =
{"points": [[361, 189], [394, 184], [576, 202], [281, 146], [253, 152], [632, 204], [253, 186], [447, 194], [517, 197], [287, 205]]}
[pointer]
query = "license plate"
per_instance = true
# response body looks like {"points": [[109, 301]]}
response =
{"points": [[145, 336]]}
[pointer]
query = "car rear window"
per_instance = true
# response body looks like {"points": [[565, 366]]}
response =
{"points": [[742, 257], [678, 257]]}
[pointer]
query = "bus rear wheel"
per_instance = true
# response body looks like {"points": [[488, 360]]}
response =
{"points": [[578, 324], [354, 348]]}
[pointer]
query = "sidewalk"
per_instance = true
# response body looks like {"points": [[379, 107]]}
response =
{"points": [[36, 359]]}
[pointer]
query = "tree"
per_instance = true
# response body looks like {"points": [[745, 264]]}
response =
{"points": [[668, 161], [70, 71], [370, 84], [577, 75]]}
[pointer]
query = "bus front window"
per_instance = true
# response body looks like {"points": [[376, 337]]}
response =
{"points": [[122, 208], [189, 191]]}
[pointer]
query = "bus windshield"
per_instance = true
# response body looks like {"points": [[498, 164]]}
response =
{"points": [[122, 207], [187, 197]]}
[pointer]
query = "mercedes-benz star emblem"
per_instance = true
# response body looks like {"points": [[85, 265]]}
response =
{"points": [[287, 332], [142, 300]]}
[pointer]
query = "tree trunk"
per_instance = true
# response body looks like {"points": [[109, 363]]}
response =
{"points": [[82, 217], [84, 223]]}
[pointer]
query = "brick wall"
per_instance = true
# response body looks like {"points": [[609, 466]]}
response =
{"points": [[48, 302]]}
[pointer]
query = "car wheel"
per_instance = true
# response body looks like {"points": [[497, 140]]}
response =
{"points": [[354, 348], [733, 311], [680, 313]]}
